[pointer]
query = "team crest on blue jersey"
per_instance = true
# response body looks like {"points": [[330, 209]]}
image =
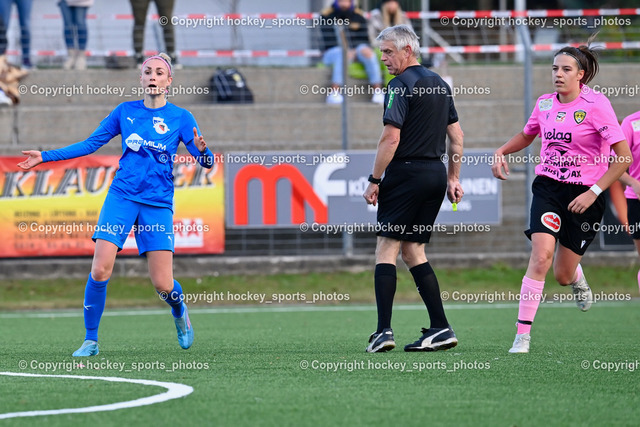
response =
{"points": [[579, 116], [545, 104], [160, 126]]}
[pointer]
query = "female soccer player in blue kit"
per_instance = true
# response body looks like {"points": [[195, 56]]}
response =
{"points": [[140, 195]]}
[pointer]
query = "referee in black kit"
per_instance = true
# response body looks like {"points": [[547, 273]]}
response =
{"points": [[418, 115]]}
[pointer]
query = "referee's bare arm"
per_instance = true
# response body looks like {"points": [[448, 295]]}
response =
{"points": [[454, 189], [386, 149]]}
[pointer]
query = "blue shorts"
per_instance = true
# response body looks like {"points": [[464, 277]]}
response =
{"points": [[152, 225]]}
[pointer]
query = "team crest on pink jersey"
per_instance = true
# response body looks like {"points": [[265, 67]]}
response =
{"points": [[551, 220], [560, 117], [579, 116], [545, 104]]}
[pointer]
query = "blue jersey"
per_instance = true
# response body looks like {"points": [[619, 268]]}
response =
{"points": [[150, 139]]}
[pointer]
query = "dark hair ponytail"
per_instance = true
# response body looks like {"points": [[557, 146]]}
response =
{"points": [[586, 56]]}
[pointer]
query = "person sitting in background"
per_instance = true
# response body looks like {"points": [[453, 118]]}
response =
{"points": [[74, 16], [24, 16], [344, 12], [10, 76], [388, 14]]}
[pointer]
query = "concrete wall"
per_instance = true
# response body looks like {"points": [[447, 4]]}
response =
{"points": [[282, 118]]}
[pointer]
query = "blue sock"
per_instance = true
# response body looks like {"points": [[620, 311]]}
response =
{"points": [[95, 296], [174, 299]]}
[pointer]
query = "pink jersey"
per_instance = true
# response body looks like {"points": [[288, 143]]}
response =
{"points": [[576, 137], [631, 130]]}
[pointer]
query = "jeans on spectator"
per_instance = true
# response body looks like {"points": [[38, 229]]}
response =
{"points": [[3, 37], [75, 25], [333, 57], [24, 14]]}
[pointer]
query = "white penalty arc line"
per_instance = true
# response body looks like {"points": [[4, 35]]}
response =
{"points": [[174, 391]]}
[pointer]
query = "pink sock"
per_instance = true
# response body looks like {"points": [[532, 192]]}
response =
{"points": [[579, 273], [530, 295], [638, 279]]}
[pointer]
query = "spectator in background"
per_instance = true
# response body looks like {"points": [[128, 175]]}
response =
{"points": [[4, 99], [388, 14], [74, 16], [10, 76], [3, 36], [165, 8], [344, 12], [24, 15]]}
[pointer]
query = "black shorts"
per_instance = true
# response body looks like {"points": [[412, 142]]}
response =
{"points": [[633, 216], [411, 194], [550, 214]]}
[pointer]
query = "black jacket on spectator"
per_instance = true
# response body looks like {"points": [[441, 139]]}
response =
{"points": [[356, 30]]}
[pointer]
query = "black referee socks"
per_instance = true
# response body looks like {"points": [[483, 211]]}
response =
{"points": [[385, 286], [429, 290]]}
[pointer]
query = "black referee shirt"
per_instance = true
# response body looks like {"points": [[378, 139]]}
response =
{"points": [[420, 104]]}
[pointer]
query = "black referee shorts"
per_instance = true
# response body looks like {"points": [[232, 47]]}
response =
{"points": [[550, 214], [633, 216], [411, 194]]}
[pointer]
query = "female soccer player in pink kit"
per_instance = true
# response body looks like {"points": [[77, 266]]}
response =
{"points": [[578, 128], [631, 129]]}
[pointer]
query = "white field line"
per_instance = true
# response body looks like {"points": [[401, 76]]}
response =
{"points": [[174, 391]]}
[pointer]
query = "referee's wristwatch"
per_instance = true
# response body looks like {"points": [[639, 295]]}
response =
{"points": [[374, 180]]}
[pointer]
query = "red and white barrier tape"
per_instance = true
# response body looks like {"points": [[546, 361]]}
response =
{"points": [[312, 53], [544, 13], [518, 48], [275, 53]]}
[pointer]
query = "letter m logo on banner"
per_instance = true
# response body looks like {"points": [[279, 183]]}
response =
{"points": [[301, 192]]}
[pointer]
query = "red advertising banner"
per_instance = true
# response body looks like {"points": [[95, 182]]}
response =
{"points": [[52, 210]]}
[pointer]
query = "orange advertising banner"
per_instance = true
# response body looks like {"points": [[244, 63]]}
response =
{"points": [[52, 210]]}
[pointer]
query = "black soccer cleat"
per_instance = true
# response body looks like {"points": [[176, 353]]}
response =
{"points": [[434, 339], [380, 342]]}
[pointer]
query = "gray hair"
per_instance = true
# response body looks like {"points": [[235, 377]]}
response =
{"points": [[401, 36]]}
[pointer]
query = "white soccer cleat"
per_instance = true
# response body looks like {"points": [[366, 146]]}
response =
{"points": [[521, 343], [582, 294], [335, 97], [378, 96], [4, 99]]}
